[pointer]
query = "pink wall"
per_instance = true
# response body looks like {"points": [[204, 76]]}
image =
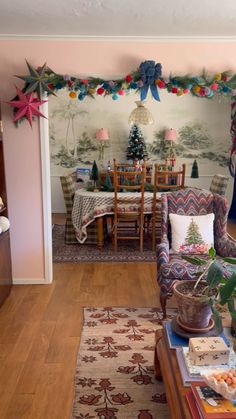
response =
{"points": [[21, 145]]}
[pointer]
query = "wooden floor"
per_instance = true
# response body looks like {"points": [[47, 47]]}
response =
{"points": [[40, 328]]}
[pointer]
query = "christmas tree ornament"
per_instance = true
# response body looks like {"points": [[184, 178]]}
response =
{"points": [[38, 80], [27, 106], [195, 173]]}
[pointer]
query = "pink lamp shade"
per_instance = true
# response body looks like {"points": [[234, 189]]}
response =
{"points": [[170, 135], [102, 134]]}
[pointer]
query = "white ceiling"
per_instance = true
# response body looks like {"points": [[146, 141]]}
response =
{"points": [[118, 18]]}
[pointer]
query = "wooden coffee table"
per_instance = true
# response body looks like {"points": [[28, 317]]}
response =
{"points": [[167, 369]]}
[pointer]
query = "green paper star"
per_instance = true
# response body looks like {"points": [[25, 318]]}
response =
{"points": [[37, 81]]}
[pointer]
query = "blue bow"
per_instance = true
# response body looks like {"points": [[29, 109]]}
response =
{"points": [[149, 72]]}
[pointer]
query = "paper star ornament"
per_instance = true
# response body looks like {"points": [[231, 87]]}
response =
{"points": [[27, 106], [38, 80]]}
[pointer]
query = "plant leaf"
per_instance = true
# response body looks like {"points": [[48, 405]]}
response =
{"points": [[214, 275], [227, 290], [217, 318], [212, 253], [194, 260], [232, 261]]}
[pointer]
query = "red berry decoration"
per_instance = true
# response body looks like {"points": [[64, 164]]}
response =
{"points": [[174, 90], [100, 91], [128, 78]]}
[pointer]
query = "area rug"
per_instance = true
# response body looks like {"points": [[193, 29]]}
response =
{"points": [[76, 253], [115, 366]]}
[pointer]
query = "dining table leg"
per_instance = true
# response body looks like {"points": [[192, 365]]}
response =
{"points": [[100, 238]]}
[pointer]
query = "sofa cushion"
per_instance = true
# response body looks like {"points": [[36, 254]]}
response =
{"points": [[192, 234]]}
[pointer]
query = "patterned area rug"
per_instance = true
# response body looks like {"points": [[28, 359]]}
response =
{"points": [[115, 367], [76, 253]]}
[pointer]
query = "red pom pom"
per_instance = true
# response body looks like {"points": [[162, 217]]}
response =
{"points": [[100, 91], [224, 78], [128, 78], [50, 85], [174, 90], [70, 83], [214, 86], [202, 92], [121, 92], [85, 82], [161, 84]]}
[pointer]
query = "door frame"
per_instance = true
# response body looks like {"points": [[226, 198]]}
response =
{"points": [[46, 192]]}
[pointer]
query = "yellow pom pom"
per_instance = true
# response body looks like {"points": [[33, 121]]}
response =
{"points": [[91, 91], [217, 77], [72, 95], [180, 92], [197, 89]]}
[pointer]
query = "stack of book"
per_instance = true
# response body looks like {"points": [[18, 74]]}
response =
{"points": [[188, 371], [205, 403]]}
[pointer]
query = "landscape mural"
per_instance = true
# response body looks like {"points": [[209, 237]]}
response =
{"points": [[202, 125]]}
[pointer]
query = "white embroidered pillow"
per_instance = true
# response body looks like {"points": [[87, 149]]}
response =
{"points": [[192, 234]]}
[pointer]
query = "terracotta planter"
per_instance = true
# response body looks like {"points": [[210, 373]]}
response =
{"points": [[193, 313]]}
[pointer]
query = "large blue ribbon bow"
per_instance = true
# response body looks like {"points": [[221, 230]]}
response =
{"points": [[149, 72]]}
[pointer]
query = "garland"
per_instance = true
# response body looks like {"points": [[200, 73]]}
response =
{"points": [[43, 80], [148, 76]]}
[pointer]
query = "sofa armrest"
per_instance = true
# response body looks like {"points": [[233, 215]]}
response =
{"points": [[225, 246], [163, 250]]}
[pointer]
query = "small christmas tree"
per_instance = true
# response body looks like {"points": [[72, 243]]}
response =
{"points": [[94, 174], [108, 185], [193, 234], [194, 173], [137, 148]]}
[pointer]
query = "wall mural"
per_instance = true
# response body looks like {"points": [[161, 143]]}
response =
{"points": [[203, 131]]}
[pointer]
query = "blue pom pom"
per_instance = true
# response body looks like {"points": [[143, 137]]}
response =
{"points": [[115, 96], [58, 86], [81, 96]]}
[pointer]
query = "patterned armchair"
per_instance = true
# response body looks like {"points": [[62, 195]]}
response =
{"points": [[189, 201], [219, 184]]}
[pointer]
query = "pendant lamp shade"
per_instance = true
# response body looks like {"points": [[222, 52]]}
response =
{"points": [[141, 115]]}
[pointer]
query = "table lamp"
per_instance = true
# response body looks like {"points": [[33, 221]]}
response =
{"points": [[102, 136], [171, 135]]}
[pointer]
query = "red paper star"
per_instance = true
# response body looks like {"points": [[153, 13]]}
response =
{"points": [[27, 106]]}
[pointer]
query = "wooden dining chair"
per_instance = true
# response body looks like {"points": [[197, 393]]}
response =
{"points": [[128, 221], [164, 180]]}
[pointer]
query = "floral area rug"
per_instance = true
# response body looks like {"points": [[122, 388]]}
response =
{"points": [[76, 253], [115, 367]]}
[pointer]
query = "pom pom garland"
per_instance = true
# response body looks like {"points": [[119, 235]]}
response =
{"points": [[147, 79]]}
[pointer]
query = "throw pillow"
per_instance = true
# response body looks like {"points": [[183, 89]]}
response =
{"points": [[192, 234]]}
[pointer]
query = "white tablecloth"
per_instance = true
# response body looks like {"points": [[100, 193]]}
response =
{"points": [[90, 205]]}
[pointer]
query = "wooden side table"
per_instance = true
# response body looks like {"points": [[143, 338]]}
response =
{"points": [[167, 369]]}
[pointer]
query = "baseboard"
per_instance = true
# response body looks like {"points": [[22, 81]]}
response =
{"points": [[29, 281]]}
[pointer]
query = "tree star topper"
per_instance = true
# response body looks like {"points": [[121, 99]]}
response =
{"points": [[27, 106], [38, 80]]}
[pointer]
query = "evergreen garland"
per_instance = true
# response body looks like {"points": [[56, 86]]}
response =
{"points": [[136, 149]]}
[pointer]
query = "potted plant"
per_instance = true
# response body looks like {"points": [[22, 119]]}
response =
{"points": [[215, 286]]}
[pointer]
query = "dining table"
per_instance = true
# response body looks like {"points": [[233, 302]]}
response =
{"points": [[91, 206]]}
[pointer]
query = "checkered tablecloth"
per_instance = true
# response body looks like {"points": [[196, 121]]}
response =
{"points": [[90, 205]]}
